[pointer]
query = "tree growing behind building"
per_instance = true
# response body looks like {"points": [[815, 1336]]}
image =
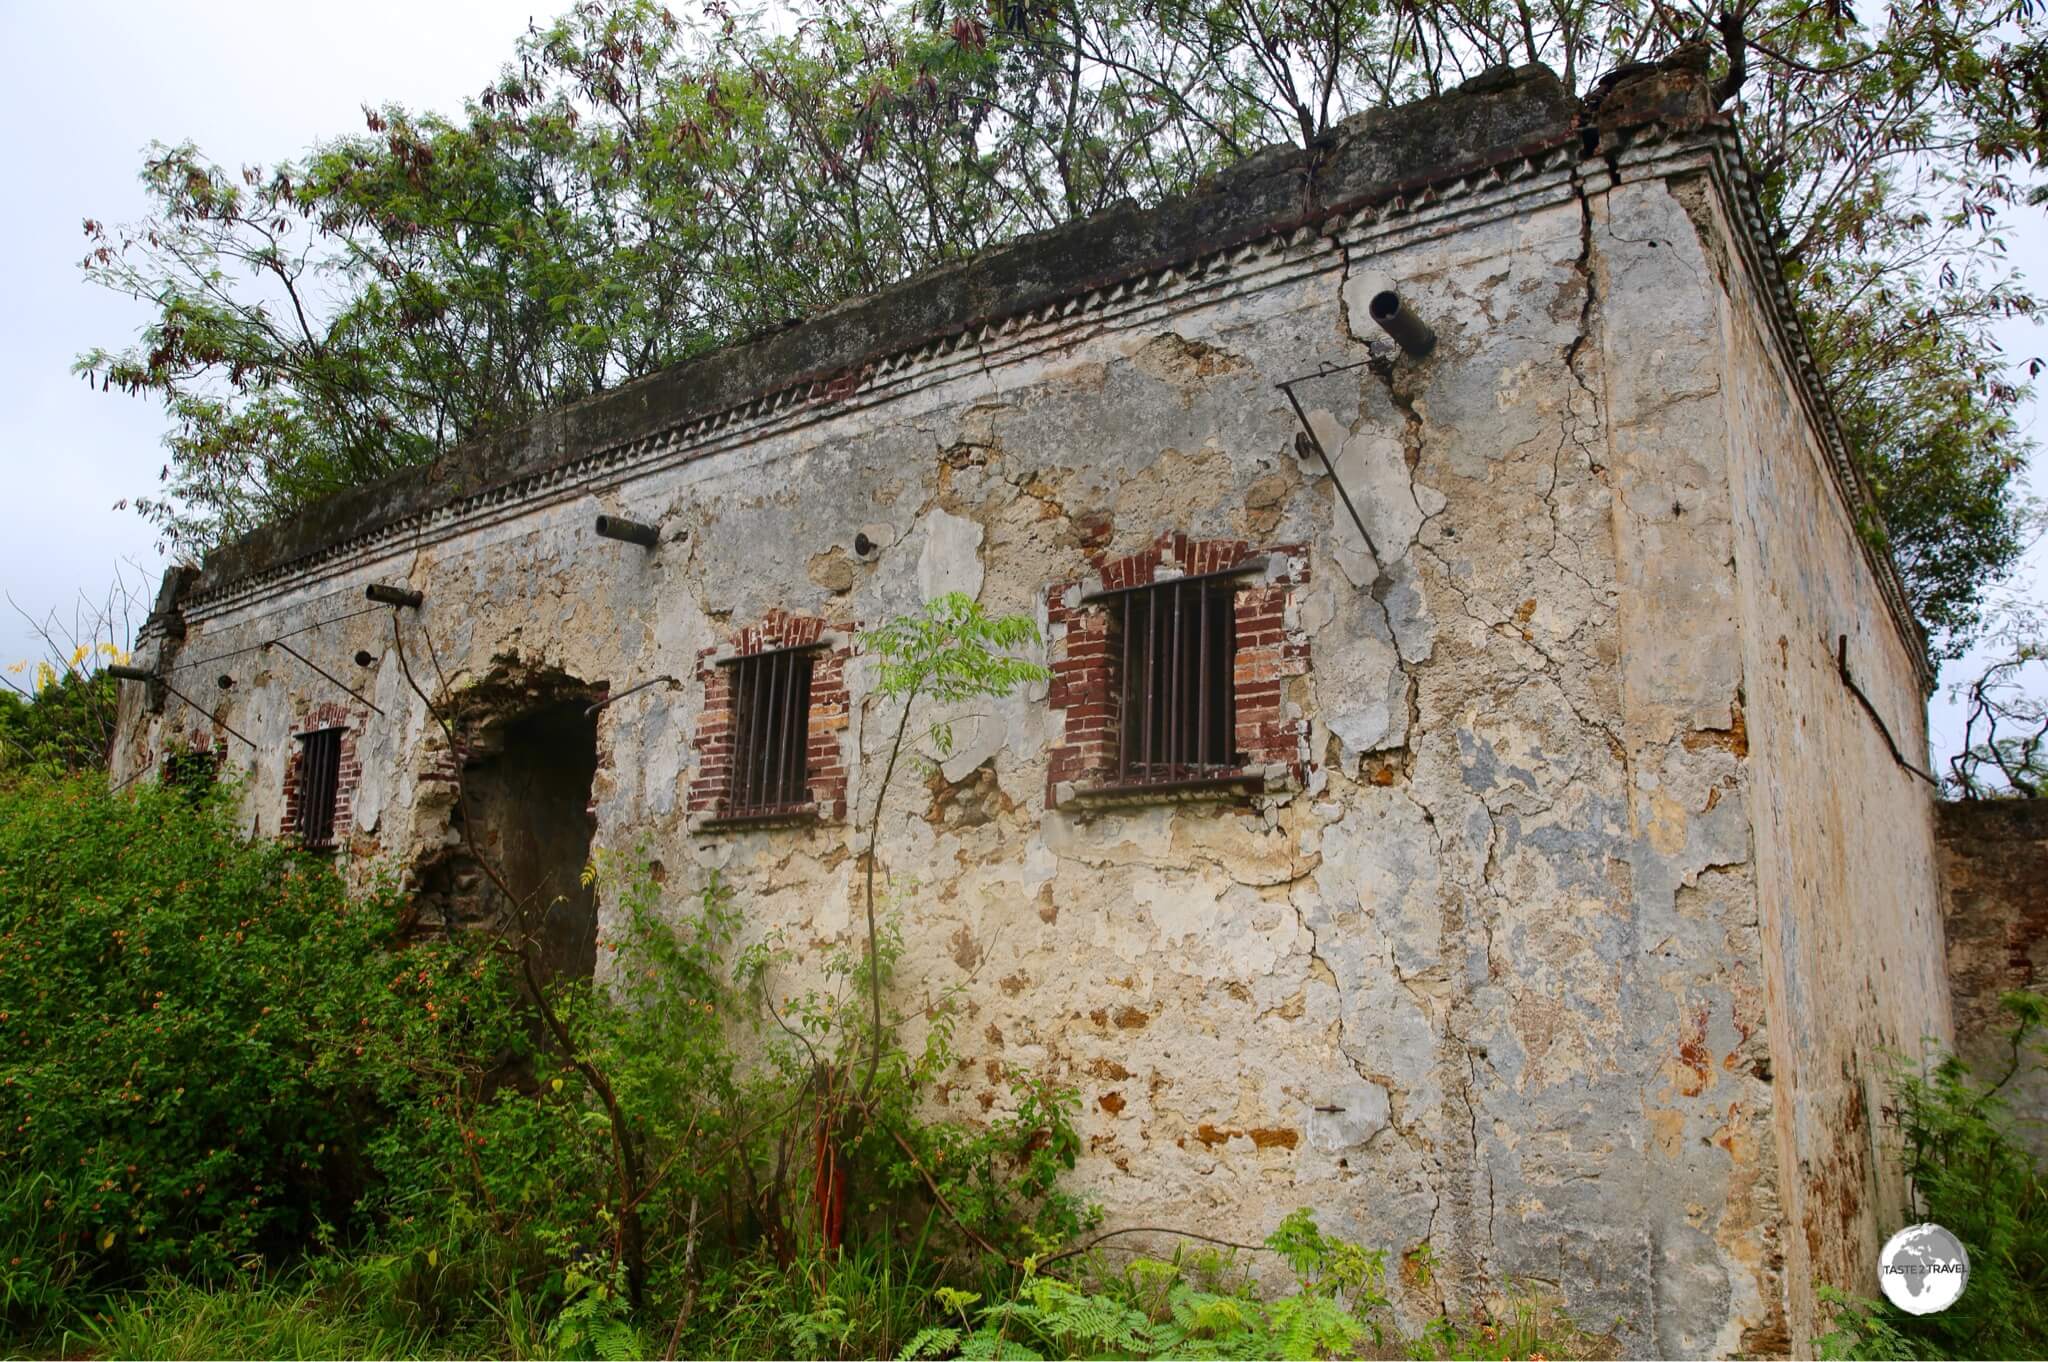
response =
{"points": [[2004, 748], [636, 188]]}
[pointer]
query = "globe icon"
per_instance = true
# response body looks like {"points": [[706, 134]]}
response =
{"points": [[1923, 1269]]}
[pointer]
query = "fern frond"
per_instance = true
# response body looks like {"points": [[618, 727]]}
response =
{"points": [[932, 1341], [618, 1341]]}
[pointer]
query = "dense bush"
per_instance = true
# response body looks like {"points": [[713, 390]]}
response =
{"points": [[217, 1060], [1971, 1175], [181, 1080], [217, 1063]]}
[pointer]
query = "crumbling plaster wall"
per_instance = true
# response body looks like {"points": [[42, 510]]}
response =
{"points": [[1496, 979], [1846, 902]]}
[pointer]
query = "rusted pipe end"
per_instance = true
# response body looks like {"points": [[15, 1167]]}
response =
{"points": [[393, 595], [1395, 318], [628, 531]]}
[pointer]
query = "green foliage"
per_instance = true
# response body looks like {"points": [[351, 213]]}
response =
{"points": [[65, 725], [1204, 1306], [175, 1319], [863, 1301], [952, 651], [994, 1185], [218, 1060], [1972, 1177], [183, 1079], [596, 1317], [633, 190]]}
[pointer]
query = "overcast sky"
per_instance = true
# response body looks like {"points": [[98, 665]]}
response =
{"points": [[88, 90]]}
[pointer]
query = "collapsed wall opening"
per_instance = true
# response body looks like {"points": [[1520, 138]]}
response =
{"points": [[528, 758]]}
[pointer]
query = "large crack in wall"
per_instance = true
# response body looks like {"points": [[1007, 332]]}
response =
{"points": [[1486, 980]]}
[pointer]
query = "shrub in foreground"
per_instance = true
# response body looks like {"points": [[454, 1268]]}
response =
{"points": [[183, 1073], [1972, 1176]]}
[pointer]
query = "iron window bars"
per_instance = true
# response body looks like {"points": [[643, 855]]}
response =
{"points": [[1176, 680], [771, 704], [319, 786]]}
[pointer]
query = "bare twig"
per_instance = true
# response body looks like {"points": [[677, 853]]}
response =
{"points": [[874, 948], [1079, 1249]]}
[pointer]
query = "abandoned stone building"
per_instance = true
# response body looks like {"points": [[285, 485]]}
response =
{"points": [[1475, 804]]}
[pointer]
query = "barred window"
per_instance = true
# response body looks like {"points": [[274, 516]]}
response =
{"points": [[1174, 652], [1179, 684], [771, 696], [319, 786]]}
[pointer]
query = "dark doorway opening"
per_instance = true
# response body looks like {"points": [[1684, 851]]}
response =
{"points": [[526, 782], [531, 803]]}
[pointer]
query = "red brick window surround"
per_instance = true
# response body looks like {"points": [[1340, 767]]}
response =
{"points": [[321, 776], [771, 704], [1149, 701], [768, 737]]}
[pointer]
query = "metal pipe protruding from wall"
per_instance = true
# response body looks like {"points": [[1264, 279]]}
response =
{"points": [[153, 698], [394, 595], [1409, 331], [630, 531]]}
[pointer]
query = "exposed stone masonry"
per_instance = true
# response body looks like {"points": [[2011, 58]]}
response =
{"points": [[1994, 869], [1569, 902]]}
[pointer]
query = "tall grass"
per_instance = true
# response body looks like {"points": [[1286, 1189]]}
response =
{"points": [[861, 1303], [865, 1302], [274, 1319]]}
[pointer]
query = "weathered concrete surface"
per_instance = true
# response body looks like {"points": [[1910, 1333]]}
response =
{"points": [[1845, 904], [1994, 869], [1540, 961]]}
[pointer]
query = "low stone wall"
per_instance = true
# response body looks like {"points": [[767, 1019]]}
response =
{"points": [[1994, 867]]}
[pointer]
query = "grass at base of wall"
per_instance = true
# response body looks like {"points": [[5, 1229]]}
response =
{"points": [[273, 1319], [856, 1305]]}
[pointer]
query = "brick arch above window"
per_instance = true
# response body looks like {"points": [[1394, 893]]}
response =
{"points": [[768, 738], [1118, 699]]}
